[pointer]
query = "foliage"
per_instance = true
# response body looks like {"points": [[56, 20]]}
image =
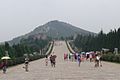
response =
{"points": [[35, 44], [111, 57], [102, 40], [26, 46]]}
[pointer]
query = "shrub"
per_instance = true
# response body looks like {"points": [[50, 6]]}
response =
{"points": [[111, 57]]}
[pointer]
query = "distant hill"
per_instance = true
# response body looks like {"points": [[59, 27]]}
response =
{"points": [[54, 29]]}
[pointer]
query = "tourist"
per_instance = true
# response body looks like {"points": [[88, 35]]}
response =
{"points": [[54, 60], [26, 64], [51, 60], [4, 65], [65, 56], [90, 56], [79, 60], [97, 60], [46, 60]]}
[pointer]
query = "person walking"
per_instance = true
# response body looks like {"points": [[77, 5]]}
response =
{"points": [[97, 60], [90, 56], [75, 56], [51, 60], [46, 60], [100, 63], [4, 65], [65, 56], [26, 64], [79, 59], [54, 60]]}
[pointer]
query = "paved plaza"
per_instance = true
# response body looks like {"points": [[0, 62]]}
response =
{"points": [[64, 70]]}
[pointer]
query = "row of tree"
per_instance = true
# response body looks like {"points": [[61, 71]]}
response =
{"points": [[26, 46], [110, 41]]}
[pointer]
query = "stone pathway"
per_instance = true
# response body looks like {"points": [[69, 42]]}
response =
{"points": [[64, 70]]}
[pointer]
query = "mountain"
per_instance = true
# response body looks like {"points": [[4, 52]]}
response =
{"points": [[54, 29]]}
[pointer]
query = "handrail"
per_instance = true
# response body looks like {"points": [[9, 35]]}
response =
{"points": [[49, 50], [69, 47]]}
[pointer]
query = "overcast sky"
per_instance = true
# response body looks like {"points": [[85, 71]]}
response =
{"points": [[18, 17]]}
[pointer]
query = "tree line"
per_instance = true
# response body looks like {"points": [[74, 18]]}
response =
{"points": [[110, 41], [26, 46]]}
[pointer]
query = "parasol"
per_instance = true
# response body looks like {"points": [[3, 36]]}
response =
{"points": [[6, 57]]}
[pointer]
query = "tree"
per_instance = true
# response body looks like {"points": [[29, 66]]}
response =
{"points": [[102, 40]]}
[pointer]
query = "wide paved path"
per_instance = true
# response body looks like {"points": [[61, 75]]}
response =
{"points": [[64, 70]]}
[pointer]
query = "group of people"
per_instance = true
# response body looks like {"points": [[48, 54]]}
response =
{"points": [[4, 65], [92, 56], [73, 57], [52, 59], [96, 57]]}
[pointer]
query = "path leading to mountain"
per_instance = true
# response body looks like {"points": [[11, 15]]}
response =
{"points": [[64, 70]]}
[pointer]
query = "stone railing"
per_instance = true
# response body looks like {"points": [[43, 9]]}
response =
{"points": [[50, 48], [69, 47]]}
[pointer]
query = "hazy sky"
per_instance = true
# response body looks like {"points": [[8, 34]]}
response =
{"points": [[18, 17]]}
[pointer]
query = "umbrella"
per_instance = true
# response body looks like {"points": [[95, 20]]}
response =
{"points": [[88, 53], [6, 57]]}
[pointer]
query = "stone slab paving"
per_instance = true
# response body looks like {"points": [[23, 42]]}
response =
{"points": [[64, 70]]}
